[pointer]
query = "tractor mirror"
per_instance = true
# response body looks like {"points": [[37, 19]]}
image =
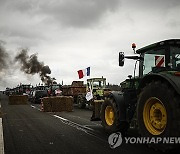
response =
{"points": [[121, 58]]}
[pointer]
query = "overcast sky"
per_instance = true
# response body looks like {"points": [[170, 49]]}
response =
{"points": [[69, 35]]}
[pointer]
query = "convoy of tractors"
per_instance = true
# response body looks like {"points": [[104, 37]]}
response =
{"points": [[148, 101]]}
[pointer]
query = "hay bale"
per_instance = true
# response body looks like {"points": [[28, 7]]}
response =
{"points": [[65, 90], [46, 102], [73, 90], [18, 100], [62, 103], [69, 103], [77, 83], [57, 104]]}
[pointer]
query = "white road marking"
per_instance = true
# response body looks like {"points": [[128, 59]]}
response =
{"points": [[72, 123], [92, 125], [76, 125], [1, 136], [85, 129], [60, 117], [86, 120], [35, 107]]}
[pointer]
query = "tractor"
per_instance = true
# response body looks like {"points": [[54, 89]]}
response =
{"points": [[149, 101], [97, 86]]}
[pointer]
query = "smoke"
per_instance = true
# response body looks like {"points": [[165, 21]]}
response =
{"points": [[31, 65], [3, 57]]}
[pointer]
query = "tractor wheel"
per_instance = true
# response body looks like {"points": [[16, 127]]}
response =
{"points": [[110, 117], [81, 102], [159, 113]]}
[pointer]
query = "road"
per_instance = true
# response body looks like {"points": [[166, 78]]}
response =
{"points": [[28, 130]]}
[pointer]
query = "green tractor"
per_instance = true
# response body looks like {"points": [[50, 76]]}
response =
{"points": [[150, 101]]}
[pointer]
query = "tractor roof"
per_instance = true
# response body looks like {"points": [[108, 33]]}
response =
{"points": [[96, 79], [159, 44]]}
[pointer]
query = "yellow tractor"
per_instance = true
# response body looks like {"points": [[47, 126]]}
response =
{"points": [[96, 88]]}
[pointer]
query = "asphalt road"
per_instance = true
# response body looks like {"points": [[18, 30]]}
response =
{"points": [[28, 130]]}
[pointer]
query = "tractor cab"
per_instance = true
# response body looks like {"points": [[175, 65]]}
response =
{"points": [[160, 57], [97, 85], [156, 58]]}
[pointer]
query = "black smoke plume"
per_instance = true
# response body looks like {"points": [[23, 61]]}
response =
{"points": [[3, 57], [31, 65]]}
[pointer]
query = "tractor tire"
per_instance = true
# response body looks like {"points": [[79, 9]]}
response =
{"points": [[81, 102], [158, 114], [110, 117]]}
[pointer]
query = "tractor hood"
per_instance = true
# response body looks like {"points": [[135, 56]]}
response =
{"points": [[172, 77]]}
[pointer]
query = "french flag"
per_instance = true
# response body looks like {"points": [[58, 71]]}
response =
{"points": [[84, 72]]}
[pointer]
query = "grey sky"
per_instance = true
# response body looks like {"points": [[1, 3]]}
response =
{"points": [[69, 35]]}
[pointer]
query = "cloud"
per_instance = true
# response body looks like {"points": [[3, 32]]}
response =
{"points": [[4, 57], [153, 5], [78, 13], [70, 13], [28, 23], [20, 26]]}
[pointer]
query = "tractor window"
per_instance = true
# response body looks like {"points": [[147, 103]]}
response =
{"points": [[96, 84], [175, 56], [152, 59], [99, 84]]}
